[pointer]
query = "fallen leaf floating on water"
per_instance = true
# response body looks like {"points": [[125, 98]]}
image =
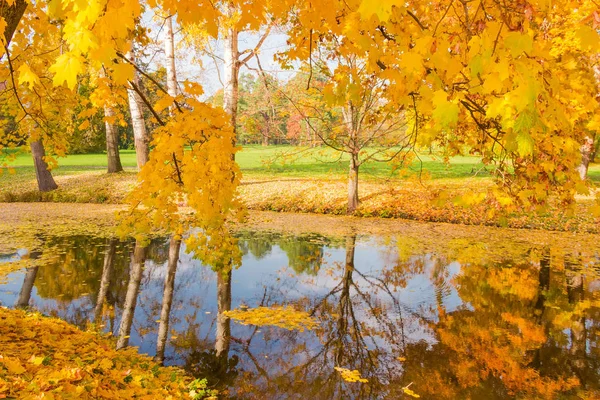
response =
{"points": [[351, 376], [282, 317]]}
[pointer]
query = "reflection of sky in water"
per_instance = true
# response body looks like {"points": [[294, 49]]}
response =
{"points": [[408, 293], [268, 277]]}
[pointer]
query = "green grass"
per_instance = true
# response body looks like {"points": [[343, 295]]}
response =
{"points": [[280, 161]]}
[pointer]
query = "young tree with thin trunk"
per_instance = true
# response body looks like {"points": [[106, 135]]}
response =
{"points": [[353, 118]]}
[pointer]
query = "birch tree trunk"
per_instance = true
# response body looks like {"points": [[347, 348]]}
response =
{"points": [[133, 288], [167, 301], [112, 142], [587, 154], [42, 173], [230, 73], [138, 124], [107, 268], [170, 55]]}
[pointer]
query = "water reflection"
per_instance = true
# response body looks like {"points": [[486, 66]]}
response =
{"points": [[450, 322]]}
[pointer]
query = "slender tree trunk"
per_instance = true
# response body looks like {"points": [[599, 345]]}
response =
{"points": [[12, 15], [170, 55], [135, 277], [25, 293], [230, 74], [587, 154], [42, 173], [112, 142], [138, 124], [223, 337], [107, 268], [265, 136], [163, 327], [353, 184]]}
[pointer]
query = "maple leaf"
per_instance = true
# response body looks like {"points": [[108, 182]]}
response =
{"points": [[66, 68], [445, 113], [122, 73], [26, 75], [518, 43]]}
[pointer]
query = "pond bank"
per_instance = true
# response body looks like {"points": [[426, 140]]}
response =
{"points": [[440, 200], [22, 221]]}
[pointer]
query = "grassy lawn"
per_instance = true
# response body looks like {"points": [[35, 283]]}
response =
{"points": [[284, 178], [283, 161]]}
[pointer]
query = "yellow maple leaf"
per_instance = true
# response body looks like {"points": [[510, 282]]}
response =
{"points": [[351, 376], [122, 73], [36, 360], [26, 75], [13, 366], [445, 113], [66, 68], [410, 392]]}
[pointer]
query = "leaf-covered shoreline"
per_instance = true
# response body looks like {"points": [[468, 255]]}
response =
{"points": [[43, 356]]}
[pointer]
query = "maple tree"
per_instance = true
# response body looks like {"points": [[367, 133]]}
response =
{"points": [[514, 85], [502, 80]]}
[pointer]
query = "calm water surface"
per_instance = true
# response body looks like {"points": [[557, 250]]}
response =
{"points": [[460, 321]]}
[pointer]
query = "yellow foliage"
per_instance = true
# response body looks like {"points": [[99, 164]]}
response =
{"points": [[351, 376], [283, 317], [59, 361]]}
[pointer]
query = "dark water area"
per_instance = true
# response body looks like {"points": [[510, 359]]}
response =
{"points": [[458, 321]]}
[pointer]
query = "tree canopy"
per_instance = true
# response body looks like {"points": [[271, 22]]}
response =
{"points": [[513, 83]]}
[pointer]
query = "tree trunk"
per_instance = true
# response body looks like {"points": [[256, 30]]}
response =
{"points": [[170, 55], [230, 74], [25, 293], [11, 15], [223, 337], [137, 121], [42, 173], [587, 153], [163, 327], [112, 142], [107, 268], [135, 277], [353, 184]]}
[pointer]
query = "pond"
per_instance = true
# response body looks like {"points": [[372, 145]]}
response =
{"points": [[460, 319]]}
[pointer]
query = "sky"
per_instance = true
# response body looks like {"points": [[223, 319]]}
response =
{"points": [[205, 69]]}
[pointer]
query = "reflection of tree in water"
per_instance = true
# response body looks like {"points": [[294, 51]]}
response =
{"points": [[305, 253], [133, 288], [518, 334], [525, 329], [357, 331], [521, 332]]}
